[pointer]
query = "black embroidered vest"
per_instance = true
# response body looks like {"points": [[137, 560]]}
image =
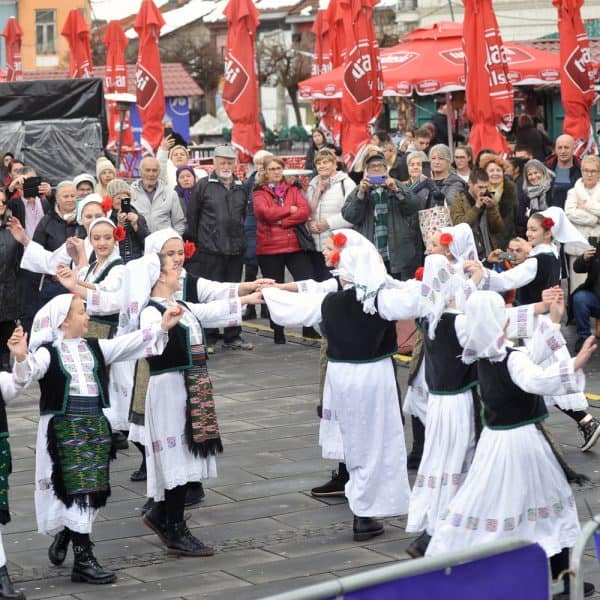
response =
{"points": [[352, 334], [547, 275], [505, 404], [445, 372], [177, 354], [3, 419], [112, 320], [54, 385]]}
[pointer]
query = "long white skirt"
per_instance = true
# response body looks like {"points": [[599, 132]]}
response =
{"points": [[447, 455], [120, 390], [52, 515], [137, 433], [364, 398], [169, 462], [415, 401], [515, 489]]}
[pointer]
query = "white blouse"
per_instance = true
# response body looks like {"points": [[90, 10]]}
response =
{"points": [[77, 359]]}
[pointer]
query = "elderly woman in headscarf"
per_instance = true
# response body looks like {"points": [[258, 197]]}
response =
{"points": [[72, 372], [536, 194], [517, 486], [361, 419], [181, 435], [186, 180]]}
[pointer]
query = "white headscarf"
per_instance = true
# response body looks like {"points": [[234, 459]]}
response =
{"points": [[89, 199], [480, 329], [98, 221], [563, 230], [155, 241], [48, 319], [440, 282], [462, 245], [360, 264]]}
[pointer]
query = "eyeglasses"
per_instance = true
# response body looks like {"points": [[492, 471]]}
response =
{"points": [[590, 171], [459, 157]]}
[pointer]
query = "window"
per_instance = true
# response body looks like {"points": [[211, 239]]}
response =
{"points": [[45, 31]]}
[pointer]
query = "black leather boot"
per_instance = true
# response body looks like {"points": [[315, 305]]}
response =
{"points": [[87, 569], [414, 458], [365, 528], [194, 493], [58, 548], [250, 313], [7, 589], [418, 547], [156, 519], [181, 542]]}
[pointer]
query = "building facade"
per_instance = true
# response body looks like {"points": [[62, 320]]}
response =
{"points": [[42, 21]]}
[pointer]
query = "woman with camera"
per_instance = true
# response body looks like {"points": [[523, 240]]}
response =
{"points": [[326, 195], [125, 215]]}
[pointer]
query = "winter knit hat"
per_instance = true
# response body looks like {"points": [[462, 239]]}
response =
{"points": [[103, 164], [118, 186]]}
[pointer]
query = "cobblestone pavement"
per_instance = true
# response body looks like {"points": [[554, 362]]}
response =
{"points": [[271, 535]]}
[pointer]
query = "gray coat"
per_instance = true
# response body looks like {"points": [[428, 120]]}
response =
{"points": [[164, 210], [403, 208]]}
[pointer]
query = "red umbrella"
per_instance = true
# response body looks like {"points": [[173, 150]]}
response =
{"points": [[12, 39], [489, 93], [432, 61], [78, 35], [240, 89], [323, 63], [577, 75], [115, 80], [362, 82], [148, 75]]}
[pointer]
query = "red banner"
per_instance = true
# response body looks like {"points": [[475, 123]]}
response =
{"points": [[577, 76], [148, 76], [240, 88], [77, 33], [12, 40], [489, 93], [115, 81], [322, 63], [363, 83]]}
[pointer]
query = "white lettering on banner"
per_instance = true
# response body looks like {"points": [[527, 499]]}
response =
{"points": [[361, 66], [496, 55], [582, 63], [232, 70], [120, 81], [141, 79]]}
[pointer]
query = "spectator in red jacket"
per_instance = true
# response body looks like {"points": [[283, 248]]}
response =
{"points": [[279, 207]]}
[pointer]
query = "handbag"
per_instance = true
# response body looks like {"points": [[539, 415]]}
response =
{"points": [[305, 238], [432, 219], [436, 214]]}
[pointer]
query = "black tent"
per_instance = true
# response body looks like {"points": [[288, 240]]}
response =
{"points": [[57, 126]]}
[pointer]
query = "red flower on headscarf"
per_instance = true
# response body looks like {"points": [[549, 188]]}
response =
{"points": [[419, 273], [188, 249], [547, 223], [334, 258], [119, 233], [446, 239], [107, 204], [339, 240]]}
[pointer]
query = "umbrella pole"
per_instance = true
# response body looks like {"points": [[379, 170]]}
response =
{"points": [[449, 124]]}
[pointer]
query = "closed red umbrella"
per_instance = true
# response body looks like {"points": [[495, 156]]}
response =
{"points": [[148, 75], [240, 89], [12, 39], [115, 81], [362, 80], [576, 75], [77, 33], [489, 93], [323, 63]]}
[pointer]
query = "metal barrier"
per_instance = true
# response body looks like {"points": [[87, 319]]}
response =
{"points": [[576, 566], [497, 571]]}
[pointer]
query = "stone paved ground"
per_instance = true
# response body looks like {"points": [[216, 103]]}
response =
{"points": [[271, 535]]}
